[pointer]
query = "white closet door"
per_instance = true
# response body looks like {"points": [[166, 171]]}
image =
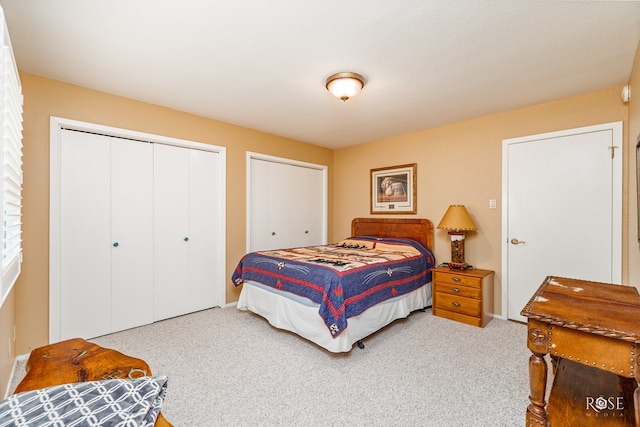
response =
{"points": [[131, 233], [282, 190], [171, 231], [260, 205], [187, 211], [286, 205], [306, 206], [85, 241], [204, 215]]}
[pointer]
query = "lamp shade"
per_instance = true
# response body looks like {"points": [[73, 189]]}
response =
{"points": [[456, 218], [345, 85]]}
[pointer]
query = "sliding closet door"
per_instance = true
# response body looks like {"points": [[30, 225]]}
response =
{"points": [[186, 212]]}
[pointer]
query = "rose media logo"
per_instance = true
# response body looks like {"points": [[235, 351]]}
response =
{"points": [[605, 407]]}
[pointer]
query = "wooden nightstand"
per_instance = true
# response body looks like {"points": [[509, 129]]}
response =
{"points": [[463, 295]]}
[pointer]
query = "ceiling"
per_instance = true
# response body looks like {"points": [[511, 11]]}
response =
{"points": [[263, 64]]}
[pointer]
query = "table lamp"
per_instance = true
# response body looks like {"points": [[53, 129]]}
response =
{"points": [[457, 221]]}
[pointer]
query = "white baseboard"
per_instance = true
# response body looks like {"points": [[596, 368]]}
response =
{"points": [[231, 304], [19, 358]]}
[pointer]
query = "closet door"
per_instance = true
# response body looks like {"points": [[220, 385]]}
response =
{"points": [[131, 233], [106, 234], [85, 240], [286, 207], [306, 206], [185, 255], [204, 214], [270, 188]]}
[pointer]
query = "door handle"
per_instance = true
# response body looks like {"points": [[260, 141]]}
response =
{"points": [[515, 241]]}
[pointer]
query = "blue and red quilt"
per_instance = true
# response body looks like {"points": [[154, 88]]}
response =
{"points": [[345, 278]]}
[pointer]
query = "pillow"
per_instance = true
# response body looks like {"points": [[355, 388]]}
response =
{"points": [[355, 243], [118, 402]]}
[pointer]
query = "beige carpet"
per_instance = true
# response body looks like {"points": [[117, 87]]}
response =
{"points": [[227, 367]]}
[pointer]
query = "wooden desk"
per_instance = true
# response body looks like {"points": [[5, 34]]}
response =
{"points": [[591, 331], [77, 360]]}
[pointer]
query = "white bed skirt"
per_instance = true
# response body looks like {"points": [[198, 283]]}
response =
{"points": [[304, 320]]}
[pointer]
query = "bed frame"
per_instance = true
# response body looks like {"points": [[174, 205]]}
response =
{"points": [[416, 229]]}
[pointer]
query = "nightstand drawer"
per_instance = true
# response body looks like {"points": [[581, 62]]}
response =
{"points": [[457, 279], [463, 291], [468, 306]]}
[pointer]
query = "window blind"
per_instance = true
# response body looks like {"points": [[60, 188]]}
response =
{"points": [[11, 102]]}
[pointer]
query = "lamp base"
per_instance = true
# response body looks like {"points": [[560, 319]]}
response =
{"points": [[458, 265]]}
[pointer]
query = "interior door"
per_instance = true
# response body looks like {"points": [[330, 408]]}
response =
{"points": [[171, 231], [204, 215], [85, 235], [186, 246], [131, 233], [562, 211], [306, 206]]}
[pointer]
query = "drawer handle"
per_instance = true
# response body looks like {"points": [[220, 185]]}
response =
{"points": [[455, 304], [456, 279], [455, 289]]}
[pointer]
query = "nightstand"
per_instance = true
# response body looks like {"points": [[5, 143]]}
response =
{"points": [[463, 295]]}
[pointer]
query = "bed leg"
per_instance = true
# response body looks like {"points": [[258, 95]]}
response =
{"points": [[360, 344]]}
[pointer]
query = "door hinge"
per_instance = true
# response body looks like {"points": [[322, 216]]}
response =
{"points": [[613, 150]]}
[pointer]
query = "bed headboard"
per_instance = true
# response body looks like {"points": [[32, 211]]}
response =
{"points": [[416, 229]]}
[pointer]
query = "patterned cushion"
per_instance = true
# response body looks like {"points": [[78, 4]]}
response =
{"points": [[118, 402]]}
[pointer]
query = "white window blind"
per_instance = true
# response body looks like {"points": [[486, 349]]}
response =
{"points": [[10, 165]]}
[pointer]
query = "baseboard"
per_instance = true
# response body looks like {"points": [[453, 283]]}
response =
{"points": [[19, 358], [231, 304]]}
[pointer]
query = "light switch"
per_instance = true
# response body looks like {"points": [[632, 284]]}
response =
{"points": [[492, 204]]}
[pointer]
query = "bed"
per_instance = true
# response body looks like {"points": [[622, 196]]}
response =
{"points": [[336, 295]]}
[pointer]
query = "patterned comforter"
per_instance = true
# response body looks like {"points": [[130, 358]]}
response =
{"points": [[345, 278]]}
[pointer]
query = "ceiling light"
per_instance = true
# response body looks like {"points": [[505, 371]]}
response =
{"points": [[345, 85]]}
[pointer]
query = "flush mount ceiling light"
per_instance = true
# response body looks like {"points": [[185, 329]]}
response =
{"points": [[345, 85]]}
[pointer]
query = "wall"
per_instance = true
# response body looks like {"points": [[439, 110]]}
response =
{"points": [[45, 98], [461, 164], [633, 138]]}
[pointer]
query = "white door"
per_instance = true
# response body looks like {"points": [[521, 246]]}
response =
{"points": [[286, 203], [106, 224], [85, 238], [562, 211], [305, 206], [187, 211], [131, 233]]}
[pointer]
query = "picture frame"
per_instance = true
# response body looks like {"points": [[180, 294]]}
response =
{"points": [[393, 189]]}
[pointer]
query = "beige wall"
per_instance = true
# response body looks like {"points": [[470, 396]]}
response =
{"points": [[461, 164], [633, 254], [45, 98]]}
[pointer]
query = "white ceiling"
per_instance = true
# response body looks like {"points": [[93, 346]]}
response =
{"points": [[263, 63]]}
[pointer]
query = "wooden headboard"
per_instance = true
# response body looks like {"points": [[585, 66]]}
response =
{"points": [[416, 229]]}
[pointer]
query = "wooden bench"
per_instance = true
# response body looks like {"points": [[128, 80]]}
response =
{"points": [[77, 360]]}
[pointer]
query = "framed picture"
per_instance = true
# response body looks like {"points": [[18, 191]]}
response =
{"points": [[393, 190]]}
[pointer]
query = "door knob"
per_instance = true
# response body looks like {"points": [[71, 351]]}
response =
{"points": [[116, 244], [515, 241], [186, 239]]}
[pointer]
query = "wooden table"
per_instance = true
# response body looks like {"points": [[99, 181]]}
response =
{"points": [[77, 360], [591, 331]]}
